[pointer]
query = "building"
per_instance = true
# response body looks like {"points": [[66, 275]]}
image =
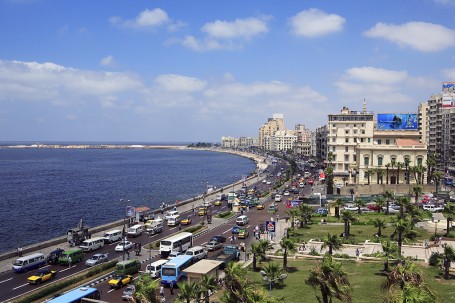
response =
{"points": [[242, 142], [320, 136], [269, 129], [283, 140]]}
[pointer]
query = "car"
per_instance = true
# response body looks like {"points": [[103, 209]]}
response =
{"points": [[433, 208], [264, 181], [260, 206], [202, 211], [286, 193], [235, 229], [128, 293], [351, 208], [218, 203], [186, 221], [218, 238], [322, 211], [207, 203], [96, 259], [268, 182], [124, 246], [174, 254], [243, 233], [42, 275], [213, 245], [391, 210], [171, 214], [373, 207], [119, 280], [273, 208]]}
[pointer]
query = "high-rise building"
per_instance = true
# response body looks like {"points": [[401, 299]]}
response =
{"points": [[274, 124]]}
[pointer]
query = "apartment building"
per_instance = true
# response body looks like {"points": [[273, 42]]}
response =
{"points": [[274, 124]]}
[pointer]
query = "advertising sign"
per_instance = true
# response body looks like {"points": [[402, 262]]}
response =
{"points": [[130, 211], [397, 122], [448, 100], [270, 226], [448, 87]]}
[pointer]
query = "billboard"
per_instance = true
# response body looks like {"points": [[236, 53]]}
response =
{"points": [[397, 122], [448, 87], [448, 100]]}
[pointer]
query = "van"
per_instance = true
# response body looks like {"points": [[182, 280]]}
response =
{"points": [[92, 244], [29, 262], [174, 220], [197, 252], [278, 198], [171, 213], [153, 227], [242, 220], [154, 269], [127, 267], [75, 254], [221, 197], [134, 231], [53, 256], [112, 236]]}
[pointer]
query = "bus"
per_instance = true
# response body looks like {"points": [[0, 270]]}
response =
{"points": [[174, 270], [179, 242], [76, 295], [448, 181]]}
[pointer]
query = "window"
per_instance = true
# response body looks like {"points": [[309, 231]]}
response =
{"points": [[380, 161], [387, 141], [361, 140], [334, 139], [346, 132], [363, 132], [355, 132], [366, 161], [369, 140], [419, 161], [393, 159], [346, 158], [346, 140], [346, 149], [379, 141], [333, 148], [355, 158]]}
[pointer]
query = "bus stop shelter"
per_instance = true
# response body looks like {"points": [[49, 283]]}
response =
{"points": [[203, 267]]}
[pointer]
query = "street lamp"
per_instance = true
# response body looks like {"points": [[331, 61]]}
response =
{"points": [[267, 279], [435, 226], [124, 227]]}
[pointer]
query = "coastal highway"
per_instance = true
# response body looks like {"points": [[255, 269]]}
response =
{"points": [[13, 285]]}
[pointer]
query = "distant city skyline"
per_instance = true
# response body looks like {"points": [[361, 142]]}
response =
{"points": [[194, 71]]}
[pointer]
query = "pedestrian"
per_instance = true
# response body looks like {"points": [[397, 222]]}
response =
{"points": [[357, 252], [277, 217], [303, 246], [162, 291], [19, 251], [440, 240], [69, 261], [180, 226], [171, 287], [231, 239], [235, 238], [426, 243]]}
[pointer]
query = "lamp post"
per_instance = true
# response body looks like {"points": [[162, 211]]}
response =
{"points": [[435, 227], [267, 279], [124, 227]]}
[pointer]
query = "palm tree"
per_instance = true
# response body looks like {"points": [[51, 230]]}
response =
{"points": [[332, 242], [207, 285], [188, 291], [380, 225], [288, 246], [402, 274], [368, 174], [410, 293], [293, 213], [449, 256], [347, 218], [406, 166], [404, 202], [437, 176], [359, 203], [380, 203], [330, 278], [449, 213], [399, 166], [415, 215], [392, 166], [338, 203], [305, 213], [388, 249], [256, 250], [417, 191], [146, 289], [415, 172], [400, 227], [379, 174], [273, 271], [431, 164], [389, 196], [387, 166], [235, 281]]}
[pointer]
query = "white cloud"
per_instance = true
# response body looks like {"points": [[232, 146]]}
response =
{"points": [[237, 29], [178, 83], [376, 75], [148, 19], [208, 44], [422, 36], [449, 73], [314, 22], [107, 61]]}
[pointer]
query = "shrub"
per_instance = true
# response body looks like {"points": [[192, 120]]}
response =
{"points": [[223, 214], [435, 259], [313, 251], [343, 256]]}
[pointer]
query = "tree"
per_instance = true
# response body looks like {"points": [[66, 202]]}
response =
{"points": [[359, 203], [380, 225], [293, 213], [146, 290], [399, 166], [437, 176], [387, 166], [305, 213], [417, 191], [449, 213], [389, 249], [380, 203], [404, 203], [347, 218], [338, 203], [400, 227], [235, 281], [188, 291], [449, 257], [379, 175], [332, 242], [415, 215], [273, 271], [406, 166], [288, 246], [388, 196], [256, 250], [410, 293], [332, 281], [207, 285]]}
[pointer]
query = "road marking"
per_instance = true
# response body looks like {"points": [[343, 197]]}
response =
{"points": [[20, 286], [111, 290], [6, 280], [226, 231], [204, 243], [66, 269]]}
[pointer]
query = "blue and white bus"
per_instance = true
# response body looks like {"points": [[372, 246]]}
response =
{"points": [[179, 242], [76, 295], [174, 270]]}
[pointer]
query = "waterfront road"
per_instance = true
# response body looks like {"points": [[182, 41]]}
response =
{"points": [[13, 285]]}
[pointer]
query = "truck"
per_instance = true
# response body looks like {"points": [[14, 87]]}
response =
{"points": [[227, 254]]}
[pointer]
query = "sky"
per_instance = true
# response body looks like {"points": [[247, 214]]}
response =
{"points": [[194, 71]]}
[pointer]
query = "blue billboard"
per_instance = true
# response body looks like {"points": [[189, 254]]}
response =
{"points": [[397, 122]]}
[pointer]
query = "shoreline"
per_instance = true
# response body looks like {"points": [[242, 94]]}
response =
{"points": [[260, 164]]}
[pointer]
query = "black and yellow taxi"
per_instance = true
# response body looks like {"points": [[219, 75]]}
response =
{"points": [[217, 203], [119, 280], [202, 211], [243, 233], [260, 206], [42, 275], [186, 221]]}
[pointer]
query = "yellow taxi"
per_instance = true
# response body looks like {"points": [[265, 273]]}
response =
{"points": [[202, 211], [260, 206], [243, 233], [186, 221], [120, 280], [217, 203], [41, 276]]}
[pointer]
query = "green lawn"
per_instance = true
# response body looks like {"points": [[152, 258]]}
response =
{"points": [[365, 278]]}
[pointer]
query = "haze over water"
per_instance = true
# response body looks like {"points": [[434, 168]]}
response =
{"points": [[44, 192]]}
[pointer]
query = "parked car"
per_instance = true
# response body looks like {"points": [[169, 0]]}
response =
{"points": [[373, 207], [128, 293], [213, 245], [351, 208], [96, 259], [218, 238], [272, 208], [391, 210], [123, 246], [322, 211], [286, 193], [118, 281], [42, 275], [433, 208]]}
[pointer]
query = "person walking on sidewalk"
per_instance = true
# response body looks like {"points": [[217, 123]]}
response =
{"points": [[69, 261]]}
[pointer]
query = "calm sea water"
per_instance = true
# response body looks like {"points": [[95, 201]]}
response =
{"points": [[44, 192]]}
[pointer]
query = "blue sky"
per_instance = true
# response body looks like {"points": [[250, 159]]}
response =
{"points": [[187, 71]]}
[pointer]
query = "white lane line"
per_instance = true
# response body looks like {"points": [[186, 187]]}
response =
{"points": [[111, 290], [5, 280], [20, 286], [226, 231], [66, 269], [204, 243]]}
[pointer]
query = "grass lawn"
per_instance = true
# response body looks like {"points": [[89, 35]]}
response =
{"points": [[365, 279]]}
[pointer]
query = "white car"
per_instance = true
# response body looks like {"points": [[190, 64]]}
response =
{"points": [[391, 210], [351, 208], [171, 214], [433, 208], [268, 182], [96, 259], [123, 246], [286, 193]]}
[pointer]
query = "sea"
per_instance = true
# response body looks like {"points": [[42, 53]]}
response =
{"points": [[46, 191]]}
